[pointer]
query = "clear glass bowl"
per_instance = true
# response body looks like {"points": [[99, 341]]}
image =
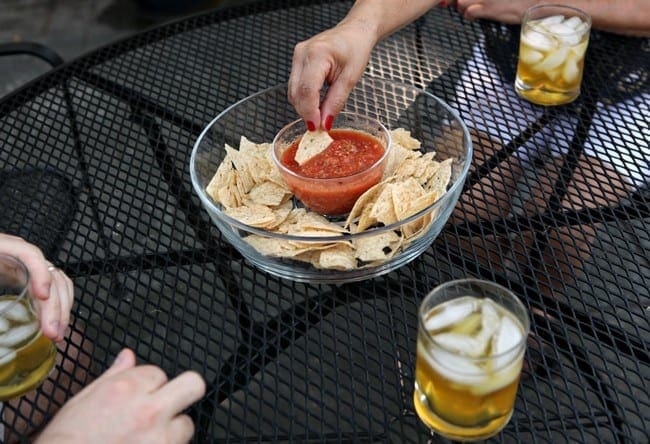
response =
{"points": [[262, 115]]}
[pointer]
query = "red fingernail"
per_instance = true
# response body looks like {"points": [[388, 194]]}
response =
{"points": [[311, 126], [328, 123], [443, 3]]}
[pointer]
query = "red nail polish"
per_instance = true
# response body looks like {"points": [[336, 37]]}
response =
{"points": [[311, 126], [328, 123], [443, 3]]}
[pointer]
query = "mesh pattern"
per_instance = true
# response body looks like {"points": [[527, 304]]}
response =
{"points": [[555, 208]]}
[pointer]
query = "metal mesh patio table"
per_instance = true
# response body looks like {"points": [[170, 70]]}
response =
{"points": [[94, 168]]}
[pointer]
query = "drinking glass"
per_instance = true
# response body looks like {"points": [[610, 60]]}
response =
{"points": [[552, 48], [26, 356], [470, 349]]}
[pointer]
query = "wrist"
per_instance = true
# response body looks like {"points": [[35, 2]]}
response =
{"points": [[363, 28]]}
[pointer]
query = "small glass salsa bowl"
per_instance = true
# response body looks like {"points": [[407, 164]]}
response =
{"points": [[333, 196]]}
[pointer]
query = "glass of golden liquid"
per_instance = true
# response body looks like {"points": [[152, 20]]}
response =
{"points": [[552, 48], [470, 349], [26, 356]]}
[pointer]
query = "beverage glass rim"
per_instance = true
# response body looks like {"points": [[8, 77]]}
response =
{"points": [[25, 287], [525, 323], [584, 15]]}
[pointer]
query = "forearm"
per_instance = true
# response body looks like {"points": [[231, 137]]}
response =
{"points": [[380, 18], [622, 16]]}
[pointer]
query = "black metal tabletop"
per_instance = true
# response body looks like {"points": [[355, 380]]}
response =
{"points": [[94, 168]]}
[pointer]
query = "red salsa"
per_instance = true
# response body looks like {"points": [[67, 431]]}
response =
{"points": [[352, 153]]}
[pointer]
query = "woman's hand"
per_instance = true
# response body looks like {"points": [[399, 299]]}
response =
{"points": [[621, 16], [504, 11], [337, 57], [51, 288]]}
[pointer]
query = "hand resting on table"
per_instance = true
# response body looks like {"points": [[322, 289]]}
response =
{"points": [[128, 404]]}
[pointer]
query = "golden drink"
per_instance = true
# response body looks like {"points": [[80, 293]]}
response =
{"points": [[469, 356], [26, 356], [552, 49]]}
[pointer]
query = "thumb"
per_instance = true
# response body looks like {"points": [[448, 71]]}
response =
{"points": [[123, 361]]}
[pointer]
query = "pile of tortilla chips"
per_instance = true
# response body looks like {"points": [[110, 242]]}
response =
{"points": [[250, 188]]}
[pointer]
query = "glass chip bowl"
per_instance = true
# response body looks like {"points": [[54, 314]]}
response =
{"points": [[239, 185]]}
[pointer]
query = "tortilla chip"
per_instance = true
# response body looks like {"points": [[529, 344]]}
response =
{"points": [[415, 229], [222, 177], [229, 196], [377, 248], [314, 221], [440, 177], [268, 246], [281, 213], [268, 193], [367, 198], [402, 137], [339, 257], [241, 168], [259, 216], [395, 157], [311, 144], [257, 150], [316, 245], [383, 210], [415, 167], [403, 194], [422, 202]]}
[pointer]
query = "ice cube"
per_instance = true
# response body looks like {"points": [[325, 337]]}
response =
{"points": [[582, 28], [570, 71], [552, 60], [18, 335], [18, 313], [538, 41], [468, 326], [553, 75], [454, 368], [578, 51], [565, 34], [530, 56], [4, 324], [549, 21], [490, 320], [461, 344], [450, 314], [570, 39], [498, 380], [506, 339], [560, 28], [6, 355], [573, 22]]}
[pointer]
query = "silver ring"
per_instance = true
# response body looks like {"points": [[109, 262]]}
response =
{"points": [[51, 268]]}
